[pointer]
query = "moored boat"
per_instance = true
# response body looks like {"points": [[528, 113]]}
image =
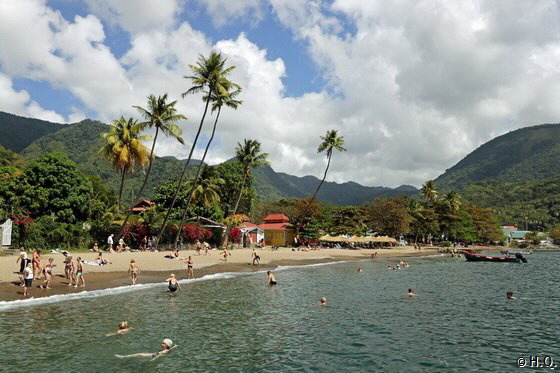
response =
{"points": [[471, 257]]}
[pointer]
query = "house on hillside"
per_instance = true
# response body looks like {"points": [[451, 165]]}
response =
{"points": [[142, 205], [277, 230]]}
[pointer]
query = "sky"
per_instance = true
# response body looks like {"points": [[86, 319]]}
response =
{"points": [[412, 86]]}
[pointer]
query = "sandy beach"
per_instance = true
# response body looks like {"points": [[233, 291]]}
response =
{"points": [[155, 267]]}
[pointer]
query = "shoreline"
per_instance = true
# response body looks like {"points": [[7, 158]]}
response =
{"points": [[155, 268]]}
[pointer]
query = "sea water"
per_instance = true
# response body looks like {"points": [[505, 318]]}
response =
{"points": [[459, 321]]}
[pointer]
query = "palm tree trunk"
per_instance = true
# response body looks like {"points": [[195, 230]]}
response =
{"points": [[322, 181], [185, 167], [121, 188], [143, 184], [225, 240], [180, 230]]}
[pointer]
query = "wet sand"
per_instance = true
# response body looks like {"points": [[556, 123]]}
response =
{"points": [[155, 268]]}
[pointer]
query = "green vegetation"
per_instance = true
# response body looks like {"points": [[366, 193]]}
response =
{"points": [[16, 133], [529, 153]]}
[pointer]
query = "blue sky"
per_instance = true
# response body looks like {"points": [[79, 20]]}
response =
{"points": [[413, 86]]}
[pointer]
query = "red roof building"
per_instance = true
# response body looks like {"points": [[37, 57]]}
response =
{"points": [[142, 205], [278, 231]]}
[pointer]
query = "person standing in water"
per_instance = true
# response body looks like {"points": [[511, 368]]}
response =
{"points": [[28, 279], [270, 278], [190, 272], [173, 284], [134, 271], [79, 273]]}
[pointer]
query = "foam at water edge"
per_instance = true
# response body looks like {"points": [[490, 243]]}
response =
{"points": [[9, 305]]}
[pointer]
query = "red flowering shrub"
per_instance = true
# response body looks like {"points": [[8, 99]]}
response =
{"points": [[194, 232], [235, 234]]}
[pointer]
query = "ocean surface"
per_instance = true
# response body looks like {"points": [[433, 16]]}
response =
{"points": [[459, 321]]}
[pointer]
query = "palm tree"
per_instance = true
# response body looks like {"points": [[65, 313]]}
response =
{"points": [[331, 141], [164, 117], [206, 192], [250, 156], [429, 192], [217, 102], [209, 77], [452, 200], [124, 148]]}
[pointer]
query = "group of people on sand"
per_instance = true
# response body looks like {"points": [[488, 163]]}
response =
{"points": [[36, 269]]}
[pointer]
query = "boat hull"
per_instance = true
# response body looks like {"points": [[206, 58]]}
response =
{"points": [[486, 258]]}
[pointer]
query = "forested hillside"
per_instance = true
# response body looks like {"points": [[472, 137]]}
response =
{"points": [[530, 153], [16, 132]]}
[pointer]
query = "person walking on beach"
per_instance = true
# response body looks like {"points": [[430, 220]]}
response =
{"points": [[79, 273], [206, 247], [110, 243], [256, 257], [270, 278], [71, 273], [28, 279], [37, 264], [190, 273], [226, 254], [67, 260], [134, 271], [47, 272], [198, 246], [173, 285]]}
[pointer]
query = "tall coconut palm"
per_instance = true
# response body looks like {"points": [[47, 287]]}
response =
{"points": [[330, 142], [164, 117], [206, 192], [209, 77], [250, 156], [429, 192], [124, 148], [217, 102]]}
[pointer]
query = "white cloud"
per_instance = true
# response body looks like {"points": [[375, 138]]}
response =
{"points": [[225, 12], [417, 85], [136, 16], [20, 103]]}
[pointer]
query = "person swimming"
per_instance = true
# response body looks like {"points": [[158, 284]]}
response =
{"points": [[166, 346], [323, 301], [270, 278], [509, 295], [360, 269], [173, 285], [121, 329], [410, 293]]}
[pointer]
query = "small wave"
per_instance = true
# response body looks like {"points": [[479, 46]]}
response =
{"points": [[9, 305]]}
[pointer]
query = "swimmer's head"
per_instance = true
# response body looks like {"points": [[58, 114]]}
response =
{"points": [[172, 275], [323, 300], [123, 325], [167, 342], [267, 272]]}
